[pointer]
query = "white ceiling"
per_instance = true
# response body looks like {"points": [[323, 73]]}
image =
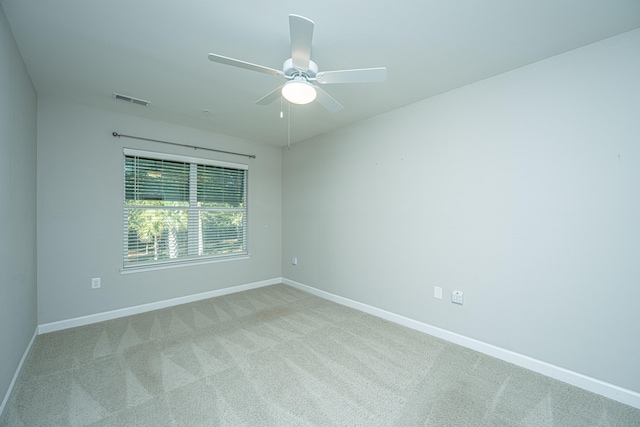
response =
{"points": [[84, 50]]}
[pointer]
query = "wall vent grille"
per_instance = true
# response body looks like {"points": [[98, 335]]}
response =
{"points": [[131, 99]]}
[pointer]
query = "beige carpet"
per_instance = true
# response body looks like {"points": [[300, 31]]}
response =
{"points": [[277, 356]]}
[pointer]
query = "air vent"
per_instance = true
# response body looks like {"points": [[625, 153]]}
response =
{"points": [[130, 99]]}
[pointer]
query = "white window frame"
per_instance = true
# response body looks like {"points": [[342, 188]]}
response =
{"points": [[193, 258]]}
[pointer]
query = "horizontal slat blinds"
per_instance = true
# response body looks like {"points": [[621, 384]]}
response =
{"points": [[221, 197], [157, 180], [177, 211], [220, 187]]}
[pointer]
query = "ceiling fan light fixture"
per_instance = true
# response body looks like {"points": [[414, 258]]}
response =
{"points": [[299, 91]]}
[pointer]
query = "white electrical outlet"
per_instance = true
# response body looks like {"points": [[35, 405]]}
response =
{"points": [[294, 260], [437, 292], [95, 283], [457, 297]]}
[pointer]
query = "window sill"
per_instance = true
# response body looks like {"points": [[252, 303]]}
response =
{"points": [[178, 264]]}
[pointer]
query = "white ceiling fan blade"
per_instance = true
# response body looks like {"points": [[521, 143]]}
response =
{"points": [[242, 64], [327, 101], [270, 97], [301, 33], [363, 75]]}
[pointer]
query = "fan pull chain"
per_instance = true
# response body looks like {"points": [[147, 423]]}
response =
{"points": [[281, 113], [289, 127]]}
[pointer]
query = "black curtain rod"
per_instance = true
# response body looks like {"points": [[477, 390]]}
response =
{"points": [[119, 135]]}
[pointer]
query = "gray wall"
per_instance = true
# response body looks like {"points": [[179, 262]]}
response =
{"points": [[18, 115], [80, 199], [522, 191]]}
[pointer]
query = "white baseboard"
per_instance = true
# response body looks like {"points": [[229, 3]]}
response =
{"points": [[114, 314], [611, 391], [17, 374]]}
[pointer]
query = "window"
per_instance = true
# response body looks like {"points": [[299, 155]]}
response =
{"points": [[180, 209]]}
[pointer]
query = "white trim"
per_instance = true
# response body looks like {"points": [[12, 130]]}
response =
{"points": [[115, 314], [15, 376], [184, 263], [611, 391], [184, 159]]}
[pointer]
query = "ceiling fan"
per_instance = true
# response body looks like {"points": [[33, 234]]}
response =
{"points": [[301, 72]]}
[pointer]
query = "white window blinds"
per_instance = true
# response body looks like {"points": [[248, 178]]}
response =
{"points": [[180, 209]]}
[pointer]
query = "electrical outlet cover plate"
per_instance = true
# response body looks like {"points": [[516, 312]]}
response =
{"points": [[457, 297], [95, 283], [437, 292]]}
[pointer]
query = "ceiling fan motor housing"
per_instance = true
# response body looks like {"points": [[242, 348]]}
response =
{"points": [[290, 71]]}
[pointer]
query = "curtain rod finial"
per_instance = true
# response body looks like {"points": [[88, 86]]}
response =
{"points": [[115, 134]]}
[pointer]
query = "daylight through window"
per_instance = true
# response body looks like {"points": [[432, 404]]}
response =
{"points": [[180, 209]]}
